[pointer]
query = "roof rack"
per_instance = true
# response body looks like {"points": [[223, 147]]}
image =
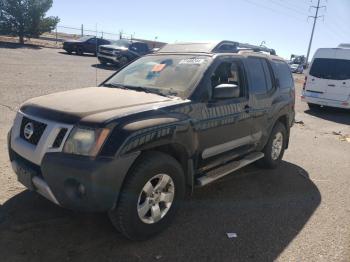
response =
{"points": [[214, 47]]}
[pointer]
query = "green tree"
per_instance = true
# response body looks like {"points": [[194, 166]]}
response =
{"points": [[26, 18]]}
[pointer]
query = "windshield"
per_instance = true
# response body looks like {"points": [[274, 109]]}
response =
{"points": [[165, 74], [122, 43], [335, 69]]}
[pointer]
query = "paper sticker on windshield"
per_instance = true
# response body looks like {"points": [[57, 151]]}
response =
{"points": [[158, 68], [192, 61]]}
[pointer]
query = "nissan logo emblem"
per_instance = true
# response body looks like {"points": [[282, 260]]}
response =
{"points": [[28, 131]]}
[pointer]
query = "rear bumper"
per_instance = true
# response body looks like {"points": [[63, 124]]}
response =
{"points": [[74, 182], [325, 102]]}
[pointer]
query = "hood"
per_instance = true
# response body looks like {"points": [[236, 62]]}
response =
{"points": [[94, 104], [116, 47]]}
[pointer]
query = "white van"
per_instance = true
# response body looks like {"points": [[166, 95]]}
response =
{"points": [[328, 80]]}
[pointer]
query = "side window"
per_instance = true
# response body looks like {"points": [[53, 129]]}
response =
{"points": [[283, 73], [228, 73], [258, 82], [144, 47], [92, 41], [267, 71]]}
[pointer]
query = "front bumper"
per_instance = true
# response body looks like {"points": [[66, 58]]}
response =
{"points": [[74, 182], [325, 102]]}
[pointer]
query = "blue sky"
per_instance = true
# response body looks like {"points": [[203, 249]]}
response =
{"points": [[282, 24]]}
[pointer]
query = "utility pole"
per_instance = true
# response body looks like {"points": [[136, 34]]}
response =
{"points": [[317, 8]]}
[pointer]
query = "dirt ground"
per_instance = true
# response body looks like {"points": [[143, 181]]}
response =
{"points": [[298, 212]]}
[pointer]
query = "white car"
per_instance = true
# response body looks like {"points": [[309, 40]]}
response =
{"points": [[327, 83]]}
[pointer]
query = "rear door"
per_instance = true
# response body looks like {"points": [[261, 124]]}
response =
{"points": [[261, 90], [338, 87], [329, 75]]}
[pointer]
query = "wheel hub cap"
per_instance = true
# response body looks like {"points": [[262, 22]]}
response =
{"points": [[156, 198], [277, 145]]}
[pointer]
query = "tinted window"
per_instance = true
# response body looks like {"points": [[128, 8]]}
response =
{"points": [[92, 41], [335, 69], [228, 73], [256, 71], [269, 85], [283, 73]]}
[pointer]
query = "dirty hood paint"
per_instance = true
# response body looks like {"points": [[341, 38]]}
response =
{"points": [[96, 104]]}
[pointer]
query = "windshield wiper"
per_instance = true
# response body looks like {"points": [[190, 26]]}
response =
{"points": [[114, 86], [148, 90]]}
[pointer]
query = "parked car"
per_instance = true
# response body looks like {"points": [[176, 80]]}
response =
{"points": [[166, 123], [122, 52], [86, 44], [296, 68], [328, 80]]}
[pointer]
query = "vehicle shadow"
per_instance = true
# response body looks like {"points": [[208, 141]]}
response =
{"points": [[265, 208], [11, 45], [73, 54], [106, 67], [338, 115]]}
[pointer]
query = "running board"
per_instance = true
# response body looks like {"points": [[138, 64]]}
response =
{"points": [[227, 169]]}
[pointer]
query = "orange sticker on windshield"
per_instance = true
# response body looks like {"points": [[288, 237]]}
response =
{"points": [[158, 68]]}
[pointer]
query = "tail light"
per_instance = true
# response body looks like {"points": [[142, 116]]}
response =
{"points": [[304, 85]]}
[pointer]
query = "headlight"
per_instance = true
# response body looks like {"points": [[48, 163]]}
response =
{"points": [[85, 141]]}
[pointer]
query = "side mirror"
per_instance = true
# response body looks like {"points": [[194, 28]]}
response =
{"points": [[225, 91]]}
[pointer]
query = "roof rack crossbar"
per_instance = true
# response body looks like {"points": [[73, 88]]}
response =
{"points": [[241, 46]]}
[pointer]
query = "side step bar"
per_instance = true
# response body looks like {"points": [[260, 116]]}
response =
{"points": [[227, 169]]}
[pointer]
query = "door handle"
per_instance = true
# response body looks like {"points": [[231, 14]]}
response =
{"points": [[331, 85]]}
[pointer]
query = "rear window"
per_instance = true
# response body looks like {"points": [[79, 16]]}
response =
{"points": [[283, 73], [335, 69]]}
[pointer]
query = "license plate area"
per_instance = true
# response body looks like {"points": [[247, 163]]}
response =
{"points": [[314, 95], [24, 174]]}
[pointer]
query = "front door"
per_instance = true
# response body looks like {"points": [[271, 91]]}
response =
{"points": [[225, 124]]}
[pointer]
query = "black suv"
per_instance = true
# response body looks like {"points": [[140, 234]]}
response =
{"points": [[161, 126], [122, 52], [86, 44]]}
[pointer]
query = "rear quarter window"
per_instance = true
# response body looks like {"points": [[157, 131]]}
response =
{"points": [[283, 73]]}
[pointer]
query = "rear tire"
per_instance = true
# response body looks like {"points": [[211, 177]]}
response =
{"points": [[146, 206], [275, 147], [313, 106]]}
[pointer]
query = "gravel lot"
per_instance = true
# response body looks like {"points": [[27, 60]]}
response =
{"points": [[299, 212]]}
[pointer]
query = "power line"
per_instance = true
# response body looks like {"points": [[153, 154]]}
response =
{"points": [[286, 6], [272, 9], [317, 8]]}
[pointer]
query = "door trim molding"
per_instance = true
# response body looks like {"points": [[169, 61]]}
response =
{"points": [[233, 144]]}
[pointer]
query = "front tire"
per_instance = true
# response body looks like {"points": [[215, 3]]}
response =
{"points": [[275, 147], [150, 197], [80, 51]]}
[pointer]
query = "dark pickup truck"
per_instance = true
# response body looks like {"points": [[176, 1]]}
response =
{"points": [[155, 130], [86, 44], [122, 52]]}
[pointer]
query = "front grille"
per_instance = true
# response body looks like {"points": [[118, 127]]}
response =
{"points": [[106, 49], [38, 130], [59, 138]]}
